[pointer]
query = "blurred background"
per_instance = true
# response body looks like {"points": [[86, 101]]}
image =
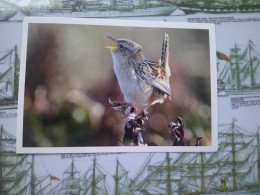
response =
{"points": [[69, 78]]}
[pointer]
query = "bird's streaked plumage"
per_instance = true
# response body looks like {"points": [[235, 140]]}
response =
{"points": [[142, 81]]}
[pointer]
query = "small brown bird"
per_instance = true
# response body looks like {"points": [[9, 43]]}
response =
{"points": [[142, 81]]}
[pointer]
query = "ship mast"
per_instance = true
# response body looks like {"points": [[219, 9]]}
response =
{"points": [[16, 81], [237, 67], [71, 183], [72, 170], [168, 174], [233, 156], [113, 4], [32, 189], [72, 174], [202, 172], [1, 158], [258, 155], [155, 176], [251, 64], [93, 178], [116, 178]]}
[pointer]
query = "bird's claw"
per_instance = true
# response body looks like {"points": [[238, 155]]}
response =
{"points": [[129, 113], [126, 110], [143, 115]]}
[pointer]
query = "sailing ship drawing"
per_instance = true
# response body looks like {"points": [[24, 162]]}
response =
{"points": [[234, 168], [93, 181], [218, 6], [7, 10], [17, 172], [71, 182], [13, 172], [122, 180], [9, 77], [94, 8], [239, 73], [101, 9], [35, 185], [123, 8]]}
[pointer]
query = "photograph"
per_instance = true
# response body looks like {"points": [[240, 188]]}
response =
{"points": [[101, 85]]}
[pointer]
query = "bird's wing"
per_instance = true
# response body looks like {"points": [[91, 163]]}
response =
{"points": [[150, 72], [157, 74]]}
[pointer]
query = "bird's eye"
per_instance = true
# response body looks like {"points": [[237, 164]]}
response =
{"points": [[121, 46], [123, 50]]}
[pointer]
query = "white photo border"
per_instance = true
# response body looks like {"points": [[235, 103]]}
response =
{"points": [[130, 23]]}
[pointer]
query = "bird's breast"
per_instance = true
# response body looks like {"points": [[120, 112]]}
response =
{"points": [[135, 91]]}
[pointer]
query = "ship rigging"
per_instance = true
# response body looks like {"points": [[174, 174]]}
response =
{"points": [[233, 168], [9, 78], [238, 73]]}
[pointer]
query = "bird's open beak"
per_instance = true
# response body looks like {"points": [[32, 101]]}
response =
{"points": [[111, 48], [111, 38]]}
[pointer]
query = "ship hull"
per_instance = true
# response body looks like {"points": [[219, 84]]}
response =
{"points": [[220, 10], [8, 103], [6, 16], [158, 11], [238, 92], [236, 192]]}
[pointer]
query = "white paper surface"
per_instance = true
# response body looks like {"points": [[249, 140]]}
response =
{"points": [[230, 29]]}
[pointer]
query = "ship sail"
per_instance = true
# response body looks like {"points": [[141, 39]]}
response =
{"points": [[141, 172], [94, 8], [151, 183], [12, 167], [162, 178], [35, 184], [224, 73], [249, 179], [9, 73], [192, 179], [55, 190], [236, 145], [233, 165], [71, 182], [242, 72], [16, 178], [232, 168], [94, 181], [6, 74], [7, 11], [121, 181]]}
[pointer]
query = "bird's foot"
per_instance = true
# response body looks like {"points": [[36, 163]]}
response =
{"points": [[126, 110], [142, 115], [130, 112]]}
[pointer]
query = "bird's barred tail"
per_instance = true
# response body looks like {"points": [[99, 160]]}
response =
{"points": [[165, 52]]}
